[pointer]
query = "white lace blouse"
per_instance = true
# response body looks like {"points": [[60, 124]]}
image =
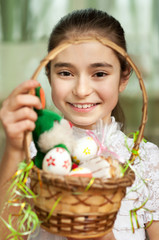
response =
{"points": [[145, 187]]}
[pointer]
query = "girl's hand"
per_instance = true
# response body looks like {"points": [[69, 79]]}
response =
{"points": [[17, 115]]}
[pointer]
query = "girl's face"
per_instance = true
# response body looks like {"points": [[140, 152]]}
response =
{"points": [[86, 82]]}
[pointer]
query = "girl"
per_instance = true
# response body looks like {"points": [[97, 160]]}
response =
{"points": [[86, 80]]}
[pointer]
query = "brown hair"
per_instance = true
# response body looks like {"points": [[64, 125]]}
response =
{"points": [[91, 21]]}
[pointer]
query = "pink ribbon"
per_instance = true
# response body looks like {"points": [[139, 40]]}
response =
{"points": [[102, 148]]}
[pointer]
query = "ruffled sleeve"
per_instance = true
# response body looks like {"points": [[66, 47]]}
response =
{"points": [[146, 185], [144, 194], [150, 162]]}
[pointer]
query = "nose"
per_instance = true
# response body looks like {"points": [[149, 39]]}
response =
{"points": [[82, 87]]}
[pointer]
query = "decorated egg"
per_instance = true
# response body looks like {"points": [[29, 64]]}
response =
{"points": [[84, 149], [57, 161], [81, 172]]}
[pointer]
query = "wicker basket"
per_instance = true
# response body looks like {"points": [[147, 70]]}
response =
{"points": [[64, 204]]}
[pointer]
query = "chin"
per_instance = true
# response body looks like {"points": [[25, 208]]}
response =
{"points": [[84, 125]]}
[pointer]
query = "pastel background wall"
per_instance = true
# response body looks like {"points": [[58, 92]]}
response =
{"points": [[25, 26]]}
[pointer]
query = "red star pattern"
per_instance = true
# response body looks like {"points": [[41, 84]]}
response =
{"points": [[60, 150], [51, 161], [66, 164]]}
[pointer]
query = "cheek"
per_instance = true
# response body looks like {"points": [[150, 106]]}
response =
{"points": [[57, 91], [109, 92], [109, 96], [57, 94]]}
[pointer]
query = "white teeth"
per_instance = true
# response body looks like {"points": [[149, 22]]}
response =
{"points": [[83, 106]]}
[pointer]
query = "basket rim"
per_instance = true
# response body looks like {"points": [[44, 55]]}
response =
{"points": [[71, 183]]}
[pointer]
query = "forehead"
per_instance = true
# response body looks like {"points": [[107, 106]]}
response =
{"points": [[88, 52]]}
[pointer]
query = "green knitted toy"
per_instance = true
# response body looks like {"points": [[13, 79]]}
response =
{"points": [[51, 131]]}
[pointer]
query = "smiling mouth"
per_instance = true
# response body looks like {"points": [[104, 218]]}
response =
{"points": [[83, 106]]}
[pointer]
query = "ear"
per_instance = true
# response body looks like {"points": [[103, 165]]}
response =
{"points": [[47, 72], [124, 80], [123, 84]]}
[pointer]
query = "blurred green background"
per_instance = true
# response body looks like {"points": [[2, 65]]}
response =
{"points": [[25, 26]]}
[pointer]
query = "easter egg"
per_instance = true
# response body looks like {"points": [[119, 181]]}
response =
{"points": [[85, 148], [81, 172], [57, 161]]}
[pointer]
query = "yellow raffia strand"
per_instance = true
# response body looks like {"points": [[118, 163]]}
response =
{"points": [[53, 208], [87, 187], [135, 152], [13, 201], [39, 178], [134, 213], [131, 221], [27, 220], [148, 225], [22, 207], [89, 184], [17, 173]]}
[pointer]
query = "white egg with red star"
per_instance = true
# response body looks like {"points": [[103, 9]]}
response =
{"points": [[57, 161], [85, 148]]}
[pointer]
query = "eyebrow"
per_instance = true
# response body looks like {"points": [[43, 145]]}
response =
{"points": [[92, 65], [62, 64], [101, 64]]}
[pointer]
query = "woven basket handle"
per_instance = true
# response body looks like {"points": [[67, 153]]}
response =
{"points": [[52, 54]]}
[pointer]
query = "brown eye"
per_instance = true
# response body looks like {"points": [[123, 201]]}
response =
{"points": [[100, 74], [65, 73]]}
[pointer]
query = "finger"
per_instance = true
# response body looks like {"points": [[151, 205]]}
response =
{"points": [[14, 98], [15, 130], [25, 87], [21, 114], [23, 101], [25, 113]]}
